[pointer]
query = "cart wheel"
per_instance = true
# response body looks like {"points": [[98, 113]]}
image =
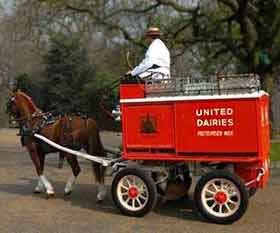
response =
{"points": [[134, 192], [221, 197]]}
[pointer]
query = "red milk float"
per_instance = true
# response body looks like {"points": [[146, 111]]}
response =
{"points": [[170, 126]]}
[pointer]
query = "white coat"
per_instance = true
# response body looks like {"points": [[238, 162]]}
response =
{"points": [[157, 54]]}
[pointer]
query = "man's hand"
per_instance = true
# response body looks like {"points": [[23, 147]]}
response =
{"points": [[128, 73]]}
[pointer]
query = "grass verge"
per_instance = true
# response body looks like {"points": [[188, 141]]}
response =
{"points": [[275, 151]]}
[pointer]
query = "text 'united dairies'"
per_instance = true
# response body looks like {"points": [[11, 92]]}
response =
{"points": [[217, 117]]}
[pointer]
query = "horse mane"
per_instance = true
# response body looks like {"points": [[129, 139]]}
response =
{"points": [[30, 104]]}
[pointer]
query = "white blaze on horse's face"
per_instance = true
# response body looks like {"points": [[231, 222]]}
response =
{"points": [[13, 104], [11, 107]]}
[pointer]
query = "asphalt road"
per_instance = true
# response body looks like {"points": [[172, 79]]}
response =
{"points": [[21, 211]]}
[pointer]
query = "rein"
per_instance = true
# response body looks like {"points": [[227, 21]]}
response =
{"points": [[110, 87], [103, 92], [33, 116]]}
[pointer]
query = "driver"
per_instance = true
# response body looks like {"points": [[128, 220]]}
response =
{"points": [[156, 63]]}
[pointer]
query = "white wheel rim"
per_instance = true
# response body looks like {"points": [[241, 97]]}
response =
{"points": [[221, 197], [132, 193]]}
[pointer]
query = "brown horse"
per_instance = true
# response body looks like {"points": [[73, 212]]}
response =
{"points": [[74, 132]]}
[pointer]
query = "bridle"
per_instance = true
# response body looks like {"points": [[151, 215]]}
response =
{"points": [[21, 119], [27, 125]]}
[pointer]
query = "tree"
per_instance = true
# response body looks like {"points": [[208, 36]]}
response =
{"points": [[206, 36], [68, 70], [31, 87], [100, 97], [247, 30]]}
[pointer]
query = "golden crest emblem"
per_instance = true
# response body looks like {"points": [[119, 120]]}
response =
{"points": [[148, 124]]}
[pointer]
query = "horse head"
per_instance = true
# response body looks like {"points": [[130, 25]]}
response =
{"points": [[20, 105], [11, 106]]}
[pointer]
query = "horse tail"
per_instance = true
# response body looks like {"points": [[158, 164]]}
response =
{"points": [[95, 147], [95, 144]]}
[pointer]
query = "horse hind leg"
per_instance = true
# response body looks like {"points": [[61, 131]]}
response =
{"points": [[101, 187], [95, 147], [99, 173], [61, 160], [73, 162]]}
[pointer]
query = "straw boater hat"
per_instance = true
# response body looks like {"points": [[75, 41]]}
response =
{"points": [[153, 31]]}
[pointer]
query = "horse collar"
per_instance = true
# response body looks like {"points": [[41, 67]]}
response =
{"points": [[36, 114]]}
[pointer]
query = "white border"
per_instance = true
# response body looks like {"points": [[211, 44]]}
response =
{"points": [[253, 95]]}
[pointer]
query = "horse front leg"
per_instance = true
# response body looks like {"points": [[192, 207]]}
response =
{"points": [[38, 161], [40, 188], [73, 162]]}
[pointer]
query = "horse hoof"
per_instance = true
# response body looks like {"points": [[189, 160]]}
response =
{"points": [[100, 198], [67, 193], [99, 201], [37, 192], [50, 195]]}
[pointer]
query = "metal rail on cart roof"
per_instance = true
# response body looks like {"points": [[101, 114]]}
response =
{"points": [[213, 85]]}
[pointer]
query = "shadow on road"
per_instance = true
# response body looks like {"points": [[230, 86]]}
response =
{"points": [[183, 208], [84, 196]]}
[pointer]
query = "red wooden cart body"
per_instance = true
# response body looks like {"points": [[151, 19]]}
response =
{"points": [[219, 128]]}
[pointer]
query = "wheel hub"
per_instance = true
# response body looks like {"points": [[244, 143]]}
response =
{"points": [[133, 192], [220, 197]]}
